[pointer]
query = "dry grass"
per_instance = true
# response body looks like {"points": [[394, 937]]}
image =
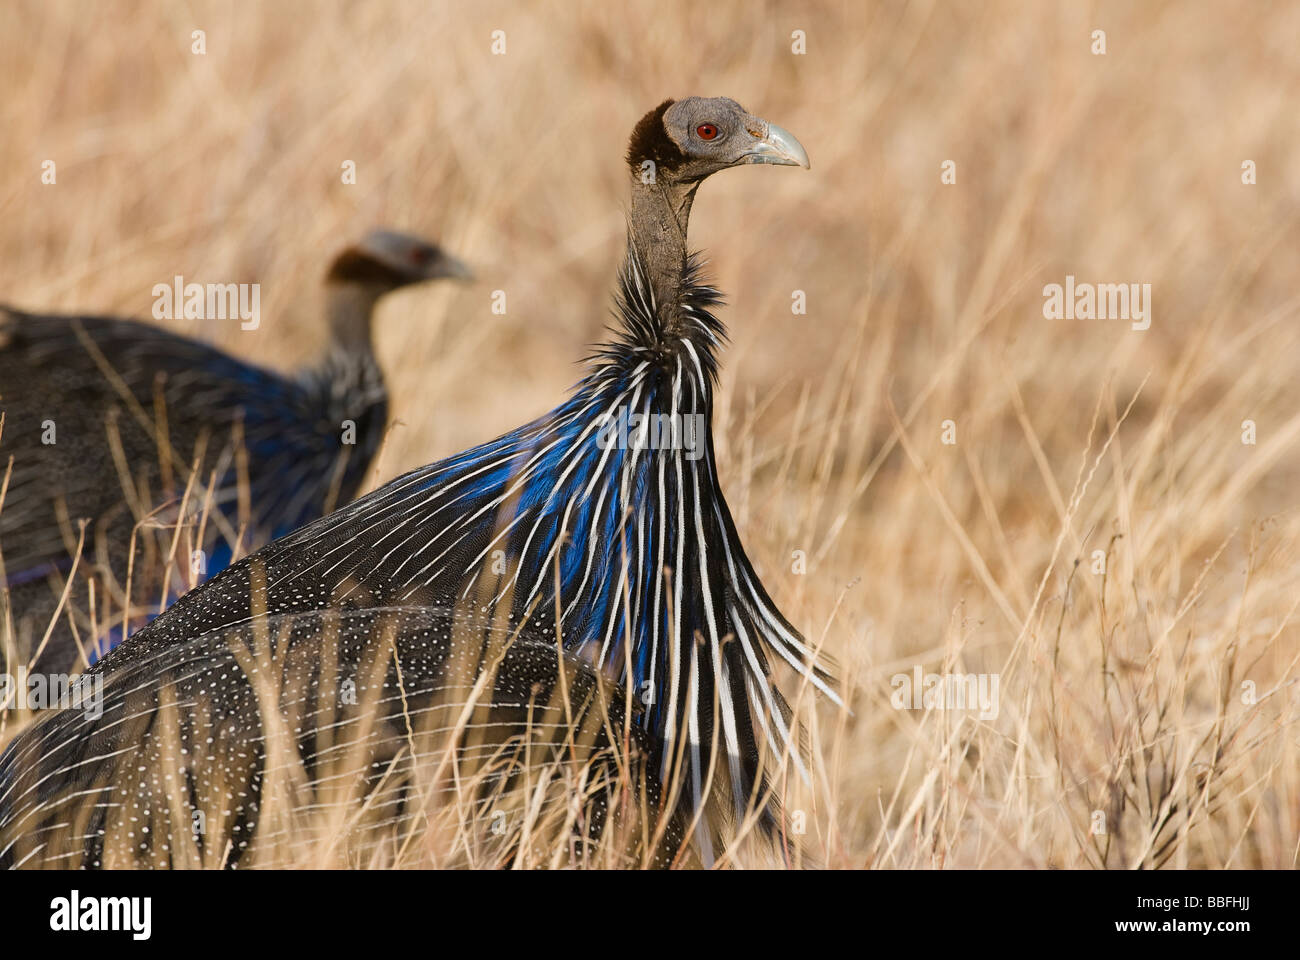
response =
{"points": [[1120, 694]]}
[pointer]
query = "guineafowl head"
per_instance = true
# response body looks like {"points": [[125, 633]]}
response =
{"points": [[383, 261], [687, 140]]}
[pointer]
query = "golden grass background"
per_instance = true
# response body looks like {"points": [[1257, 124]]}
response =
{"points": [[1120, 694]]}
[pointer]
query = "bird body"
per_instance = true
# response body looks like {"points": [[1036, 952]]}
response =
{"points": [[350, 714], [106, 419], [624, 553]]}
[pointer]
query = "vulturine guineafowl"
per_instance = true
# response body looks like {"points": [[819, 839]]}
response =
{"points": [[104, 419], [603, 521]]}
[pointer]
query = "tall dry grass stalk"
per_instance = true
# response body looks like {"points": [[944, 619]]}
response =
{"points": [[1147, 702]]}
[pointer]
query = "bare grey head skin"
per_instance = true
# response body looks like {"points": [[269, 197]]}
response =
{"points": [[672, 150], [383, 261]]}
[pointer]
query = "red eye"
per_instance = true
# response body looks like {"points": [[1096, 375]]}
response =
{"points": [[706, 131]]}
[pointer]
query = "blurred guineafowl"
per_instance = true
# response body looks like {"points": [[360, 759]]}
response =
{"points": [[603, 520], [104, 418]]}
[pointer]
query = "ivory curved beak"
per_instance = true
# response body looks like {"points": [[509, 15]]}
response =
{"points": [[779, 147], [449, 267]]}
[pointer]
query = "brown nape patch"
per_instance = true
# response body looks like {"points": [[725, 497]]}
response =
{"points": [[352, 266], [650, 141]]}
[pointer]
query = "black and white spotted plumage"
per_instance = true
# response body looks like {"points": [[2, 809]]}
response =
{"points": [[317, 739]]}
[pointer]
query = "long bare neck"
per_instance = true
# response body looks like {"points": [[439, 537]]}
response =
{"points": [[349, 307], [660, 214]]}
